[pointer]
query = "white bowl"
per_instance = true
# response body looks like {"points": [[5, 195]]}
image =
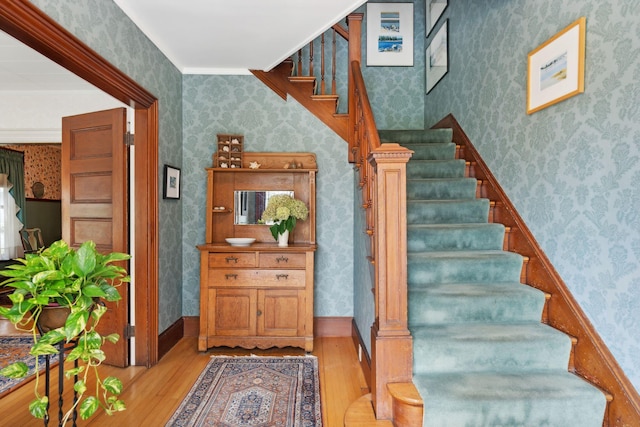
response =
{"points": [[240, 241]]}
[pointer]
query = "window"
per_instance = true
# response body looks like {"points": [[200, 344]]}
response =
{"points": [[10, 225]]}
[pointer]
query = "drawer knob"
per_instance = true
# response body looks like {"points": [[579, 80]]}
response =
{"points": [[259, 313], [231, 276], [282, 276], [232, 258], [282, 259]]}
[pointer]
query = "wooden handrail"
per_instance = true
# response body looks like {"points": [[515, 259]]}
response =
{"points": [[383, 179]]}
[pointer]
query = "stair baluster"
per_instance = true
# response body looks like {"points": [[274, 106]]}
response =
{"points": [[322, 87]]}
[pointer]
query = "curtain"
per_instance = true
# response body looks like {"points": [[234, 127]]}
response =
{"points": [[12, 164], [12, 203], [10, 225]]}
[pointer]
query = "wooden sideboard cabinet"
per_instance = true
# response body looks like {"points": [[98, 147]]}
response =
{"points": [[259, 295]]}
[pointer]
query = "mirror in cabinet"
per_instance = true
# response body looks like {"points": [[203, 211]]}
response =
{"points": [[249, 205]]}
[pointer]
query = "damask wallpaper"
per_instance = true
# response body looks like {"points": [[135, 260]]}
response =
{"points": [[244, 105], [107, 30], [572, 169], [394, 92]]}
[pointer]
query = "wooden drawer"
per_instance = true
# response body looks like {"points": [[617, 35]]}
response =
{"points": [[282, 260], [226, 277], [232, 259]]}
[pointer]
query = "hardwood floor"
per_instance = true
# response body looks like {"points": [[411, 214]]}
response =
{"points": [[152, 395]]}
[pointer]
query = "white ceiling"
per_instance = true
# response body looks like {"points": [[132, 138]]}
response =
{"points": [[198, 37], [24, 69], [233, 36]]}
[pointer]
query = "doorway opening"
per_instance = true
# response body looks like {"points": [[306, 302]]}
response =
{"points": [[31, 26]]}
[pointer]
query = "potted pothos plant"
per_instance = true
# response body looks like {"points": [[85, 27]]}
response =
{"points": [[78, 282]]}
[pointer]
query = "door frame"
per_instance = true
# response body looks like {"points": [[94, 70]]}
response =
{"points": [[25, 22]]}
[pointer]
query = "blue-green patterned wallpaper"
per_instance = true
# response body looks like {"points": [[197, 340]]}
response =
{"points": [[244, 105], [572, 169], [395, 92], [107, 30]]}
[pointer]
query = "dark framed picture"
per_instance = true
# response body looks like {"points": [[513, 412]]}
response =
{"points": [[437, 57], [171, 183], [434, 10]]}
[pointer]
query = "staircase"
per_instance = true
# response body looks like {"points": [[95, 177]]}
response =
{"points": [[304, 90], [477, 338], [481, 355]]}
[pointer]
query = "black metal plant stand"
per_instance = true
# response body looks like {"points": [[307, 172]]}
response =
{"points": [[62, 349]]}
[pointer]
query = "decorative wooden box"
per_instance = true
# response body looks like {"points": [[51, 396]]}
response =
{"points": [[229, 151]]}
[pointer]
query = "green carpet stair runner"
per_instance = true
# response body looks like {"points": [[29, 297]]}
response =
{"points": [[481, 355]]}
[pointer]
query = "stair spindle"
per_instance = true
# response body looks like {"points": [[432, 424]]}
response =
{"points": [[311, 59], [322, 86], [299, 70], [333, 65]]}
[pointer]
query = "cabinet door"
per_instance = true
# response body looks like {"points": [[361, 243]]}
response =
{"points": [[281, 313], [232, 312]]}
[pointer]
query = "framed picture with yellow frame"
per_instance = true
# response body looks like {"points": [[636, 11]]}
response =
{"points": [[555, 69]]}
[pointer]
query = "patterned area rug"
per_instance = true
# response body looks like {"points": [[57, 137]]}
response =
{"points": [[253, 391], [15, 349]]}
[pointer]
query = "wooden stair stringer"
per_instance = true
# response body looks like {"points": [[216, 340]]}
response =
{"points": [[300, 88], [591, 358], [268, 79]]}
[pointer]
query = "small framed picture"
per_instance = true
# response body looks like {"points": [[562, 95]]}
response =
{"points": [[171, 187], [390, 34], [555, 69]]}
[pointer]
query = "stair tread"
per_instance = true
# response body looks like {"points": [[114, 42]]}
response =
{"points": [[496, 332], [473, 254], [441, 180], [546, 398], [552, 385], [481, 302], [477, 289], [471, 200], [427, 144], [412, 135], [453, 226]]}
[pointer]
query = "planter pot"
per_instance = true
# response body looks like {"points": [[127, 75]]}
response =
{"points": [[52, 317]]}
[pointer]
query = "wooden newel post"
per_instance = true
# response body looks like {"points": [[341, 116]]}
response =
{"points": [[392, 347]]}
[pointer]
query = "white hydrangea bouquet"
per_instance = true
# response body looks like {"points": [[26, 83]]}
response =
{"points": [[284, 211]]}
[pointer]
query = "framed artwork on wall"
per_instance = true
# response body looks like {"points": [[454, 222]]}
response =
{"points": [[171, 183], [437, 57], [390, 34], [434, 10], [555, 69]]}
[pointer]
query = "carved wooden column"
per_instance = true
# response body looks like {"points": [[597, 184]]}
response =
{"points": [[391, 342]]}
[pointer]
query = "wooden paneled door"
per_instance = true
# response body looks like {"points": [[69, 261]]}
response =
{"points": [[94, 201]]}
